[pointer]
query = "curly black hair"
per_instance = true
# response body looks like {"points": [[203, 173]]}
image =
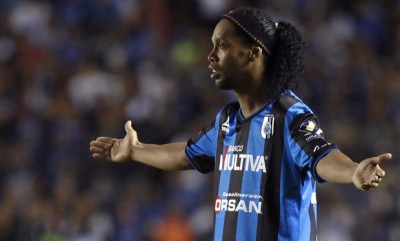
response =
{"points": [[285, 61], [285, 67]]}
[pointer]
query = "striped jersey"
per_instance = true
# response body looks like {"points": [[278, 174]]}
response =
{"points": [[264, 170]]}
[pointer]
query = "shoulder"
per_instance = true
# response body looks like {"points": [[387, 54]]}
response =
{"points": [[292, 106]]}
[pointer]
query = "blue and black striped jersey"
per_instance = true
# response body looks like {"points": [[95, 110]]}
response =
{"points": [[264, 168]]}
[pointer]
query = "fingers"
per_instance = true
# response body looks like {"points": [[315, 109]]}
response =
{"points": [[377, 173], [114, 149], [103, 142], [106, 140], [96, 149], [374, 183], [366, 187], [131, 134], [382, 158], [101, 147], [371, 173], [100, 153], [128, 127], [380, 172]]}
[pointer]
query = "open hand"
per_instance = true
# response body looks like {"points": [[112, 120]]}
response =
{"points": [[368, 173], [116, 150]]}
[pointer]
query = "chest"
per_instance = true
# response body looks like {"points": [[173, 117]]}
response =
{"points": [[243, 145]]}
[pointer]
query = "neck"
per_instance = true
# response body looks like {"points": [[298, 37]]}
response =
{"points": [[252, 95], [251, 103]]}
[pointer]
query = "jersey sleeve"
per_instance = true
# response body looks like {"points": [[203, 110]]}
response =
{"points": [[309, 143], [201, 148]]}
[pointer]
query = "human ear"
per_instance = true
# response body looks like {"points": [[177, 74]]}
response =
{"points": [[255, 52]]}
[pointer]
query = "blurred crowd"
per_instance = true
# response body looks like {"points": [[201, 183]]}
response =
{"points": [[72, 70]]}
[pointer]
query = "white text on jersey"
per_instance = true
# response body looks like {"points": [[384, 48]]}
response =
{"points": [[239, 162], [234, 205]]}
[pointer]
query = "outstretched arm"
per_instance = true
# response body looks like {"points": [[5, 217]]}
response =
{"points": [[337, 167], [167, 157]]}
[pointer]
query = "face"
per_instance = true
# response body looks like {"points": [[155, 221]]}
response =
{"points": [[229, 58]]}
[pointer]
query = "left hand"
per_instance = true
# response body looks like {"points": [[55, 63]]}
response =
{"points": [[368, 173]]}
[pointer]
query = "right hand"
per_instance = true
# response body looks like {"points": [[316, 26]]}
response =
{"points": [[116, 150]]}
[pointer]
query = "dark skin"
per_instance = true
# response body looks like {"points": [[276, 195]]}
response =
{"points": [[238, 66]]}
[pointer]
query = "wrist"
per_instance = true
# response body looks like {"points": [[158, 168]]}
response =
{"points": [[356, 178], [134, 151]]}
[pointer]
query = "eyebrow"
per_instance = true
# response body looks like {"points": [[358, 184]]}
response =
{"points": [[218, 40]]}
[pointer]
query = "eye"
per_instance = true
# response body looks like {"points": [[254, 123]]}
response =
{"points": [[221, 45]]}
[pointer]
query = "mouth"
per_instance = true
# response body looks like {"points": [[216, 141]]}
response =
{"points": [[214, 72]]}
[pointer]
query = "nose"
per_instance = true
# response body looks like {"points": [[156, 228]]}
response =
{"points": [[211, 56]]}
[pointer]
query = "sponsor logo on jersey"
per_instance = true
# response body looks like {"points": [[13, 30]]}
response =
{"points": [[235, 148], [240, 162], [238, 202], [311, 130], [267, 129], [317, 147], [225, 127]]}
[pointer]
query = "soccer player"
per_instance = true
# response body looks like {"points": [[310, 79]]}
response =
{"points": [[267, 150]]}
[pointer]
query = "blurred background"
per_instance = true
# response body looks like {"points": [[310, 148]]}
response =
{"points": [[72, 70]]}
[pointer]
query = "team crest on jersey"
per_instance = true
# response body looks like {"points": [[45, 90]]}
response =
{"points": [[267, 129], [225, 127]]}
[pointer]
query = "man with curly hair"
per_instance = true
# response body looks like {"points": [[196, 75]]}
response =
{"points": [[267, 150]]}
